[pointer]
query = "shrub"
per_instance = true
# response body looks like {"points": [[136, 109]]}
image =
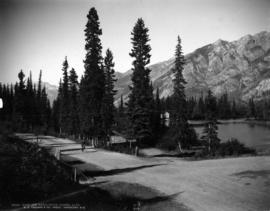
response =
{"points": [[168, 139], [234, 147]]}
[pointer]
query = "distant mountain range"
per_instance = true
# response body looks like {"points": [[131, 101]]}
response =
{"points": [[241, 68]]}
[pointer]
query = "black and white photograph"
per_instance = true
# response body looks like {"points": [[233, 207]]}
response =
{"points": [[135, 105]]}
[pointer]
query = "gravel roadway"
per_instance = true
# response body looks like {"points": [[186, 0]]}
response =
{"points": [[238, 184]]}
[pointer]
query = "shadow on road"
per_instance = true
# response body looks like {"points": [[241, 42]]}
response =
{"points": [[179, 155], [117, 171], [96, 198]]}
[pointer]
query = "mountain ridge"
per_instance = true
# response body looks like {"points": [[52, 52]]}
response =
{"points": [[241, 68]]}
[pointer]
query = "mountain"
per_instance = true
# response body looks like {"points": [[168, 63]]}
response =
{"points": [[241, 68], [51, 90]]}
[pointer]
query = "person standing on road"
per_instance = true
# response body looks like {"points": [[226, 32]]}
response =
{"points": [[83, 146]]}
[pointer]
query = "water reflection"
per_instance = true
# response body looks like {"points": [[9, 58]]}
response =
{"points": [[251, 134]]}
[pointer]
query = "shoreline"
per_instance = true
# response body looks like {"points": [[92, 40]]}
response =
{"points": [[230, 121]]}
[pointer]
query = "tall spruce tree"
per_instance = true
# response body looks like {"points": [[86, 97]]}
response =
{"points": [[64, 103], [38, 100], [30, 103], [108, 98], [20, 92], [93, 81], [74, 125], [141, 96], [210, 134], [178, 115]]}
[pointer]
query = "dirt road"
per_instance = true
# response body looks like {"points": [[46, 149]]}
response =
{"points": [[238, 184]]}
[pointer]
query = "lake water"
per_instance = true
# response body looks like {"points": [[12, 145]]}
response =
{"points": [[252, 135]]}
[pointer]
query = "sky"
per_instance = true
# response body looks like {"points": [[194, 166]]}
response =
{"points": [[37, 34]]}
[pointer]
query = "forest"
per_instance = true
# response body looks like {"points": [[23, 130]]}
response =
{"points": [[85, 110]]}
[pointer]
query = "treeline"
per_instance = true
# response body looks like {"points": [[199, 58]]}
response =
{"points": [[82, 111], [26, 106], [226, 108], [85, 109]]}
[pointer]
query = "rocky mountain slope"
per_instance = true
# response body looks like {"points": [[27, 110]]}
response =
{"points": [[241, 68]]}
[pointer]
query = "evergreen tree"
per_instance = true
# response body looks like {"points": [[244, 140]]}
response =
{"points": [[20, 91], [199, 109], [38, 101], [252, 110], [93, 81], [56, 110], [108, 99], [30, 103], [44, 110], [141, 96], [39, 89], [178, 115], [210, 131], [42, 107], [157, 125], [201, 106], [191, 103], [74, 105], [121, 106], [233, 110], [121, 119], [265, 110], [64, 103], [224, 108]]}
